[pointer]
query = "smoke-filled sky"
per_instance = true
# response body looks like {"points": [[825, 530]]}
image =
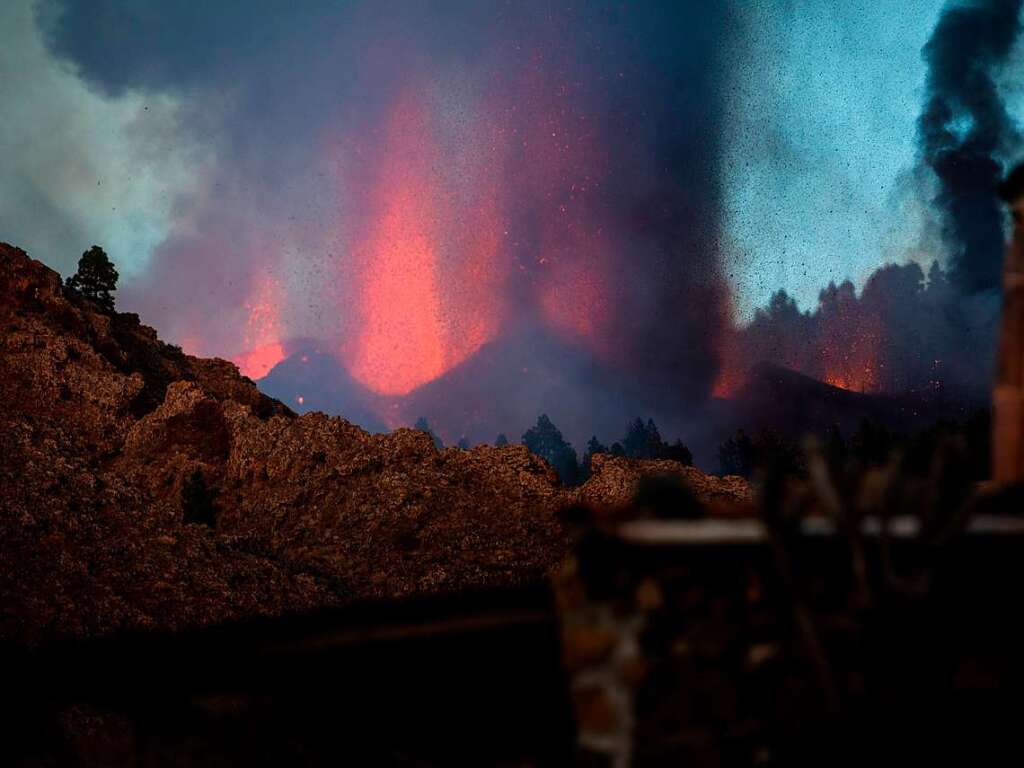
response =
{"points": [[412, 180]]}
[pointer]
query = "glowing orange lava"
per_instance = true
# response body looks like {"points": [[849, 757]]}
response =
{"points": [[835, 380], [851, 360], [862, 380]]}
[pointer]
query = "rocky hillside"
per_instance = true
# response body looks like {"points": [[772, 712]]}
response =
{"points": [[102, 425], [638, 486]]}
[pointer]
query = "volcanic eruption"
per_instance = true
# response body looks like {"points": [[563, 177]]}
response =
{"points": [[499, 210]]}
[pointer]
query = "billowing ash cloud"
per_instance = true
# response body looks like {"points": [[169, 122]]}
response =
{"points": [[415, 180], [965, 131]]}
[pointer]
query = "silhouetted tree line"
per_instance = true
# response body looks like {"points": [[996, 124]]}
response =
{"points": [[545, 440], [641, 441], [903, 333]]}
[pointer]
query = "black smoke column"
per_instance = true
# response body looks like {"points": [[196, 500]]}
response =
{"points": [[965, 130]]}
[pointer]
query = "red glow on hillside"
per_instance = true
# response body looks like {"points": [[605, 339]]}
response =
{"points": [[836, 380], [851, 360], [863, 380]]}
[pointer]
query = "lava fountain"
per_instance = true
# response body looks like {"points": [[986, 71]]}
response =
{"points": [[412, 326]]}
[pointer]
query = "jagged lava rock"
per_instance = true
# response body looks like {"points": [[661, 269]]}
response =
{"points": [[100, 425], [615, 480]]}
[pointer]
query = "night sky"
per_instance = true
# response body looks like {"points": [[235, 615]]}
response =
{"points": [[412, 180]]}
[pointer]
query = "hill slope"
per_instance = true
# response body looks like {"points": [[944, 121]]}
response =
{"points": [[100, 426]]}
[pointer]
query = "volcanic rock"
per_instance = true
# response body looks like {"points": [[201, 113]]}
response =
{"points": [[101, 424], [105, 431], [617, 483]]}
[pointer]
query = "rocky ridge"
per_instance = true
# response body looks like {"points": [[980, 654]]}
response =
{"points": [[101, 424]]}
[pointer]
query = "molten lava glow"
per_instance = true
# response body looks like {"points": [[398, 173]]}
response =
{"points": [[257, 363], [401, 344], [849, 355], [473, 204], [426, 297], [863, 380], [836, 380], [262, 343]]}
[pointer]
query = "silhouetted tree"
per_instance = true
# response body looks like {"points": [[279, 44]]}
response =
{"points": [[424, 426], [197, 500], [903, 333], [96, 278], [617, 450], [546, 441], [501, 440], [643, 441], [463, 444]]}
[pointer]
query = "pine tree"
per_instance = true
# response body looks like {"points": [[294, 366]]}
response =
{"points": [[546, 441], [595, 446], [96, 278], [501, 440], [643, 441]]}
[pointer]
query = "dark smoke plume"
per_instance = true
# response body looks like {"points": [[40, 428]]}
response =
{"points": [[965, 131]]}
